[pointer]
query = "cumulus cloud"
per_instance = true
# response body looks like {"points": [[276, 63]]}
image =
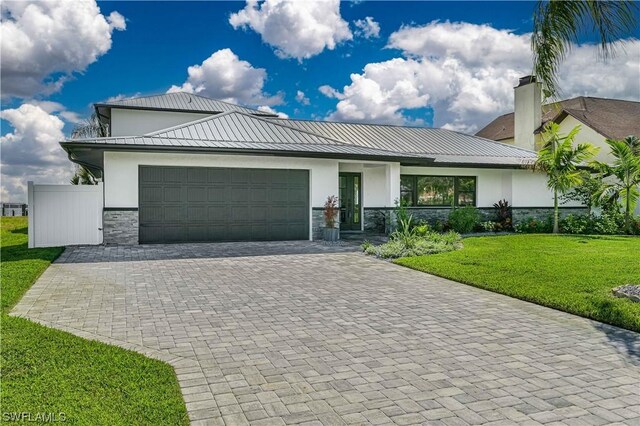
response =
{"points": [[296, 29], [466, 73], [31, 151], [266, 108], [44, 42], [226, 77], [301, 98], [367, 28]]}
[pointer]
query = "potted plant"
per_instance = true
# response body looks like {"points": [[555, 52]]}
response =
{"points": [[331, 233]]}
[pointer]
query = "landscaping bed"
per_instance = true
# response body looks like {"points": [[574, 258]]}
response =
{"points": [[575, 274], [47, 371]]}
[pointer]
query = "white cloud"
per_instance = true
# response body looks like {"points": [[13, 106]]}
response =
{"points": [[466, 73], [224, 76], [45, 42], [31, 151], [330, 92], [367, 28], [296, 29], [301, 98], [122, 97], [266, 108]]}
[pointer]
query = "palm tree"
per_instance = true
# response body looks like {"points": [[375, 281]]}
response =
{"points": [[626, 170], [82, 176], [557, 24], [560, 160], [90, 128]]}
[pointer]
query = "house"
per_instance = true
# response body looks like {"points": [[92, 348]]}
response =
{"points": [[599, 119], [180, 167], [14, 209]]}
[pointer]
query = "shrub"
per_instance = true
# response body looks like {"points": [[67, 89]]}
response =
{"points": [[331, 211], [504, 221], [489, 226], [465, 219], [577, 224], [404, 220], [535, 226], [410, 244]]}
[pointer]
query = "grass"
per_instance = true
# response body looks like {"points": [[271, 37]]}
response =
{"points": [[50, 371], [574, 274]]}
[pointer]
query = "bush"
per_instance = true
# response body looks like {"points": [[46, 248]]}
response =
{"points": [[489, 226], [535, 226], [465, 219], [410, 244]]}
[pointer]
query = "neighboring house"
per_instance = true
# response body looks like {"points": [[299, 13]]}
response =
{"points": [[599, 119], [14, 209], [180, 167]]}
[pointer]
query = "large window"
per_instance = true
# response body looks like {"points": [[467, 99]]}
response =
{"points": [[438, 191]]}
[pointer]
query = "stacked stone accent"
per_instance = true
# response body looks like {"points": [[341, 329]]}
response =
{"points": [[120, 227], [522, 214], [317, 223]]}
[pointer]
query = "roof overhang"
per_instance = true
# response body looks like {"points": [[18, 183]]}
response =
{"points": [[91, 155]]}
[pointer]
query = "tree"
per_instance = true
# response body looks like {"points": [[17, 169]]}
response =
{"points": [[90, 128], [623, 174], [83, 177], [560, 160], [586, 193], [557, 24]]}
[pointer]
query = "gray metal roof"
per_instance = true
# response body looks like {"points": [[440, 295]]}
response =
{"points": [[238, 131], [180, 101], [445, 146], [241, 127]]}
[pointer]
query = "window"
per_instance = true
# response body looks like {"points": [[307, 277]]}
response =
{"points": [[438, 191]]}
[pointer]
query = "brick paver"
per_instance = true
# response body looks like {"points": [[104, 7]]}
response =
{"points": [[301, 333]]}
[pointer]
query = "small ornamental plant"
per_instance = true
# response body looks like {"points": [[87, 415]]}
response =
{"points": [[331, 211]]}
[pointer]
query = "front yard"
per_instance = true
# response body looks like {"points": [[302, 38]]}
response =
{"points": [[574, 274], [50, 371]]}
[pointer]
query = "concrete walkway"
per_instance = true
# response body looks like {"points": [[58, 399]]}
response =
{"points": [[292, 333]]}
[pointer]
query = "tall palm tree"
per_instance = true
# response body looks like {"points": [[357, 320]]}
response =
{"points": [[626, 170], [560, 160], [557, 24]]}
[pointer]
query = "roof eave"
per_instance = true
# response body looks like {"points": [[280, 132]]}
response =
{"points": [[70, 145]]}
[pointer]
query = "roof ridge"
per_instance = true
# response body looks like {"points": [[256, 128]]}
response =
{"points": [[253, 117], [492, 141]]}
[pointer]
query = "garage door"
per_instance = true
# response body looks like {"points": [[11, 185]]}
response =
{"points": [[198, 204]]}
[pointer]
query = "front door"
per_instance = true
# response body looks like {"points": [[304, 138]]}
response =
{"points": [[350, 201]]}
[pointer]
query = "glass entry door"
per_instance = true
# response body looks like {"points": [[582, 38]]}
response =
{"points": [[350, 201]]}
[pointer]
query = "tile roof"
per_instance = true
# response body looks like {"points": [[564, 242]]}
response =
{"points": [[612, 118]]}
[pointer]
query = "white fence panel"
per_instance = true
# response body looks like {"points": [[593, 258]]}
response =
{"points": [[64, 215]]}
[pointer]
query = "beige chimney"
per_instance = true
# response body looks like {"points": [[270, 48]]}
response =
{"points": [[527, 111]]}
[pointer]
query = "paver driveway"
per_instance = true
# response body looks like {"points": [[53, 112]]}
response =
{"points": [[328, 336]]}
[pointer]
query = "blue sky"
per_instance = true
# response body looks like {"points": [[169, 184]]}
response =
{"points": [[445, 64], [163, 38]]}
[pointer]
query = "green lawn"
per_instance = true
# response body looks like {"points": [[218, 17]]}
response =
{"points": [[570, 273], [46, 370]]}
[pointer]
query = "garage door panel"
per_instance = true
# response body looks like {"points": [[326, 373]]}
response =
{"points": [[197, 175], [182, 204]]}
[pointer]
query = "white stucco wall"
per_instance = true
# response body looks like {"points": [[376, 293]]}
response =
{"points": [[587, 135], [522, 188], [129, 122], [379, 181], [489, 183], [121, 172]]}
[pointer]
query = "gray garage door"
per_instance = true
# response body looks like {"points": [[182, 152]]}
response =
{"points": [[197, 204]]}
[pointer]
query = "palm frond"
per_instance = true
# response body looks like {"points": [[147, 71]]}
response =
{"points": [[557, 24]]}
